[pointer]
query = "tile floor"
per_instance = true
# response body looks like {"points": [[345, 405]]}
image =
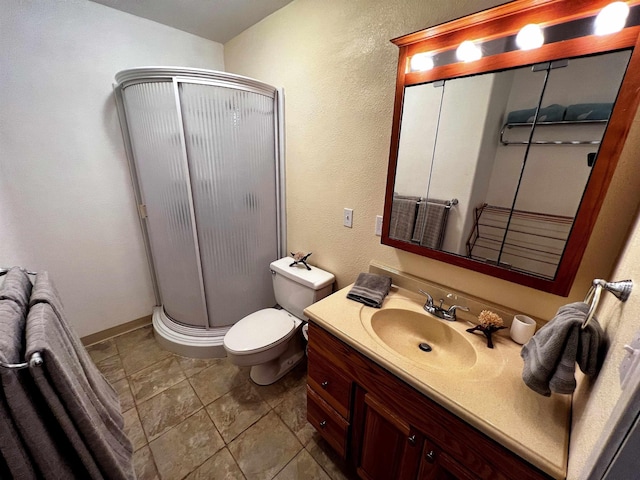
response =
{"points": [[205, 419]]}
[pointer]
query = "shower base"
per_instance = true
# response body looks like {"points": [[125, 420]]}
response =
{"points": [[188, 341]]}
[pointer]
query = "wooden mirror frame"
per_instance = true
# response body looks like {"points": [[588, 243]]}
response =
{"points": [[503, 21]]}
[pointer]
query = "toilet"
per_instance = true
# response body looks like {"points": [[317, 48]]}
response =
{"points": [[270, 340]]}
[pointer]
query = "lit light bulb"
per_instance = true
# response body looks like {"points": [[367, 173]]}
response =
{"points": [[530, 37], [611, 18], [468, 52], [421, 62]]}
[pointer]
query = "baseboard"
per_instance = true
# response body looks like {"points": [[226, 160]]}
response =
{"points": [[117, 330]]}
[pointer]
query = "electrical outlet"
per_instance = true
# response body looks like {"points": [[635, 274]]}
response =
{"points": [[378, 230], [348, 217]]}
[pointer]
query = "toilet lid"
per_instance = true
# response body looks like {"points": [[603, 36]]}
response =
{"points": [[259, 331]]}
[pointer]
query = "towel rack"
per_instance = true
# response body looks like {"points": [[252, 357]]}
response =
{"points": [[35, 361], [621, 290], [5, 270]]}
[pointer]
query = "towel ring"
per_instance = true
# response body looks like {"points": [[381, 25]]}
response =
{"points": [[621, 290]]}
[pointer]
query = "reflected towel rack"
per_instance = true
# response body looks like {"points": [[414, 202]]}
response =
{"points": [[509, 126], [36, 359], [621, 290]]}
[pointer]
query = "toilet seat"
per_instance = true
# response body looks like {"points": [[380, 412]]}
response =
{"points": [[259, 331]]}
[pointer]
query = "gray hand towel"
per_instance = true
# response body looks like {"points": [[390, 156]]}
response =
{"points": [[551, 354], [370, 289]]}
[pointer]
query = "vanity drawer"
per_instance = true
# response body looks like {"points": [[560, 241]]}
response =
{"points": [[331, 426], [329, 383]]}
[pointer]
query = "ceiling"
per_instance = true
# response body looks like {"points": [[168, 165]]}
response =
{"points": [[217, 20]]}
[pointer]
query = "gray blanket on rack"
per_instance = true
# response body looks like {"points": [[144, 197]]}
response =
{"points": [[31, 443], [84, 403], [551, 354]]}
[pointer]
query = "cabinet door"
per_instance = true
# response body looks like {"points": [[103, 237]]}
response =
{"points": [[437, 465], [390, 446]]}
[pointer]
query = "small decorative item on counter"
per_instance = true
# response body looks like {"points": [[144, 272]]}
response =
{"points": [[300, 257], [489, 323]]}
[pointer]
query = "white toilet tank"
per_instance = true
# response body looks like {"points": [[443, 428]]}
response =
{"points": [[296, 287]]}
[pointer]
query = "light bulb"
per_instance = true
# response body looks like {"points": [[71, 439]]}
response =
{"points": [[468, 51], [530, 37], [421, 62], [611, 18]]}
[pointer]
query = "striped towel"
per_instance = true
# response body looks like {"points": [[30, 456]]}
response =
{"points": [[430, 223], [370, 289], [403, 217], [551, 354]]}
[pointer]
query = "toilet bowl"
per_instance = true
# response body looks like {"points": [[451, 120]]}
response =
{"points": [[270, 340]]}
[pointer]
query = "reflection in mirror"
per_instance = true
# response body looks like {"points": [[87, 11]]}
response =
{"points": [[493, 167]]}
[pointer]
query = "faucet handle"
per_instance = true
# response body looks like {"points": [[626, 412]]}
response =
{"points": [[429, 297]]}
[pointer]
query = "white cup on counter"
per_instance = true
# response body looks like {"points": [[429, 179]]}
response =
{"points": [[522, 329]]}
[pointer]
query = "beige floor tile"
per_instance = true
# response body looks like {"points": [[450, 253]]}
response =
{"points": [[184, 448], [168, 409], [274, 394], [218, 379], [133, 429], [144, 465], [329, 460], [191, 366], [237, 410], [130, 340], [303, 466], [221, 466], [293, 412], [124, 394], [264, 448], [111, 368], [102, 350], [155, 379], [139, 349]]}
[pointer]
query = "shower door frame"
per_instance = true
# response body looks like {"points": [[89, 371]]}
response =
{"points": [[215, 79]]}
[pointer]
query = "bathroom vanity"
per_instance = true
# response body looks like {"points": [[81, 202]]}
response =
{"points": [[459, 411]]}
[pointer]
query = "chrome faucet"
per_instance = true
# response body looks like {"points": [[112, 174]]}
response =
{"points": [[438, 311]]}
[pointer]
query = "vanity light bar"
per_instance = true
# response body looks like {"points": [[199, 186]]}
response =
{"points": [[611, 19]]}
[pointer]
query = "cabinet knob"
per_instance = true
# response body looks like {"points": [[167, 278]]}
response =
{"points": [[325, 384], [412, 439], [430, 457], [323, 423]]}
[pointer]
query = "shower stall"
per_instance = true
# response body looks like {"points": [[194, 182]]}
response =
{"points": [[205, 152]]}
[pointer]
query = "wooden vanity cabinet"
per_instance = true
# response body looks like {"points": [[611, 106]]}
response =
{"points": [[385, 429]]}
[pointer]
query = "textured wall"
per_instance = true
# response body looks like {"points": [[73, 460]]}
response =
{"points": [[595, 399], [66, 202], [337, 67]]}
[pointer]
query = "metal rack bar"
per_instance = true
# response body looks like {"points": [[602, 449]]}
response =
{"points": [[36, 360], [509, 126]]}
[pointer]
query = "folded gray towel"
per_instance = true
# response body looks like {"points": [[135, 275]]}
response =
{"points": [[551, 354], [370, 289]]}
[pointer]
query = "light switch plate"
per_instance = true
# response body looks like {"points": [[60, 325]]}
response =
{"points": [[378, 230], [348, 217], [631, 361]]}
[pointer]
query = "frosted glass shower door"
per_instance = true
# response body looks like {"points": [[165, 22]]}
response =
{"points": [[156, 139], [230, 139]]}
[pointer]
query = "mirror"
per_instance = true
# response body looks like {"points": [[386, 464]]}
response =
{"points": [[492, 169]]}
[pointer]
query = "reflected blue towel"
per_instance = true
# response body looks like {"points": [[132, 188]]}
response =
{"points": [[589, 111], [552, 113]]}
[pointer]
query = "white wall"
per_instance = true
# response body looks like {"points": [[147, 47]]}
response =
{"points": [[66, 202]]}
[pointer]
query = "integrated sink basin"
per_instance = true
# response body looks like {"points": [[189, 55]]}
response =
{"points": [[423, 339]]}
